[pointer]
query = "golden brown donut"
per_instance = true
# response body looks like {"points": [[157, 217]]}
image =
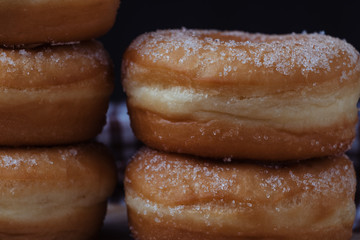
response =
{"points": [[45, 21], [54, 193], [242, 95], [173, 196], [53, 94]]}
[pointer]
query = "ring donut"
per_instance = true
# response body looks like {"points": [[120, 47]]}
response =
{"points": [[173, 196], [241, 95], [24, 22], [54, 193], [53, 95]]}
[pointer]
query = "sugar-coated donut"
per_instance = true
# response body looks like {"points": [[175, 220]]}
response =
{"points": [[53, 94], [44, 21], [54, 193], [173, 196], [242, 95]]}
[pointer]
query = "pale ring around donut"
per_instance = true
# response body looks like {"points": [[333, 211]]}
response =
{"points": [[53, 95], [173, 196], [234, 94], [55, 192]]}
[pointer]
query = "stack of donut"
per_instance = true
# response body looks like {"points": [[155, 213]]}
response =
{"points": [[55, 84], [245, 135]]}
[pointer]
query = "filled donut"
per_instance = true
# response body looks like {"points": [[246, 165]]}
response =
{"points": [[173, 196], [24, 22], [53, 94], [55, 192], [241, 95]]}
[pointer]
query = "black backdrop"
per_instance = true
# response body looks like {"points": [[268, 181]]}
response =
{"points": [[340, 19]]}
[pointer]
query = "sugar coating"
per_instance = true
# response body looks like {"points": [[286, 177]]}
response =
{"points": [[27, 159], [193, 194], [185, 177], [285, 54], [14, 162], [39, 59], [68, 154]]}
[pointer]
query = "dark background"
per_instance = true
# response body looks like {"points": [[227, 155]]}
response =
{"points": [[339, 19]]}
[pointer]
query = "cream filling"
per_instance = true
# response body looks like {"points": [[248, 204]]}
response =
{"points": [[285, 110], [239, 218]]}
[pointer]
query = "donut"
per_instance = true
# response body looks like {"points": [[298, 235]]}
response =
{"points": [[24, 22], [55, 192], [240, 95], [174, 196], [53, 95]]}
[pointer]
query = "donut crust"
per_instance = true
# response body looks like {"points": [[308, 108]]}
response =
{"points": [[56, 192], [54, 94], [241, 95], [45, 21], [173, 196], [259, 142]]}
